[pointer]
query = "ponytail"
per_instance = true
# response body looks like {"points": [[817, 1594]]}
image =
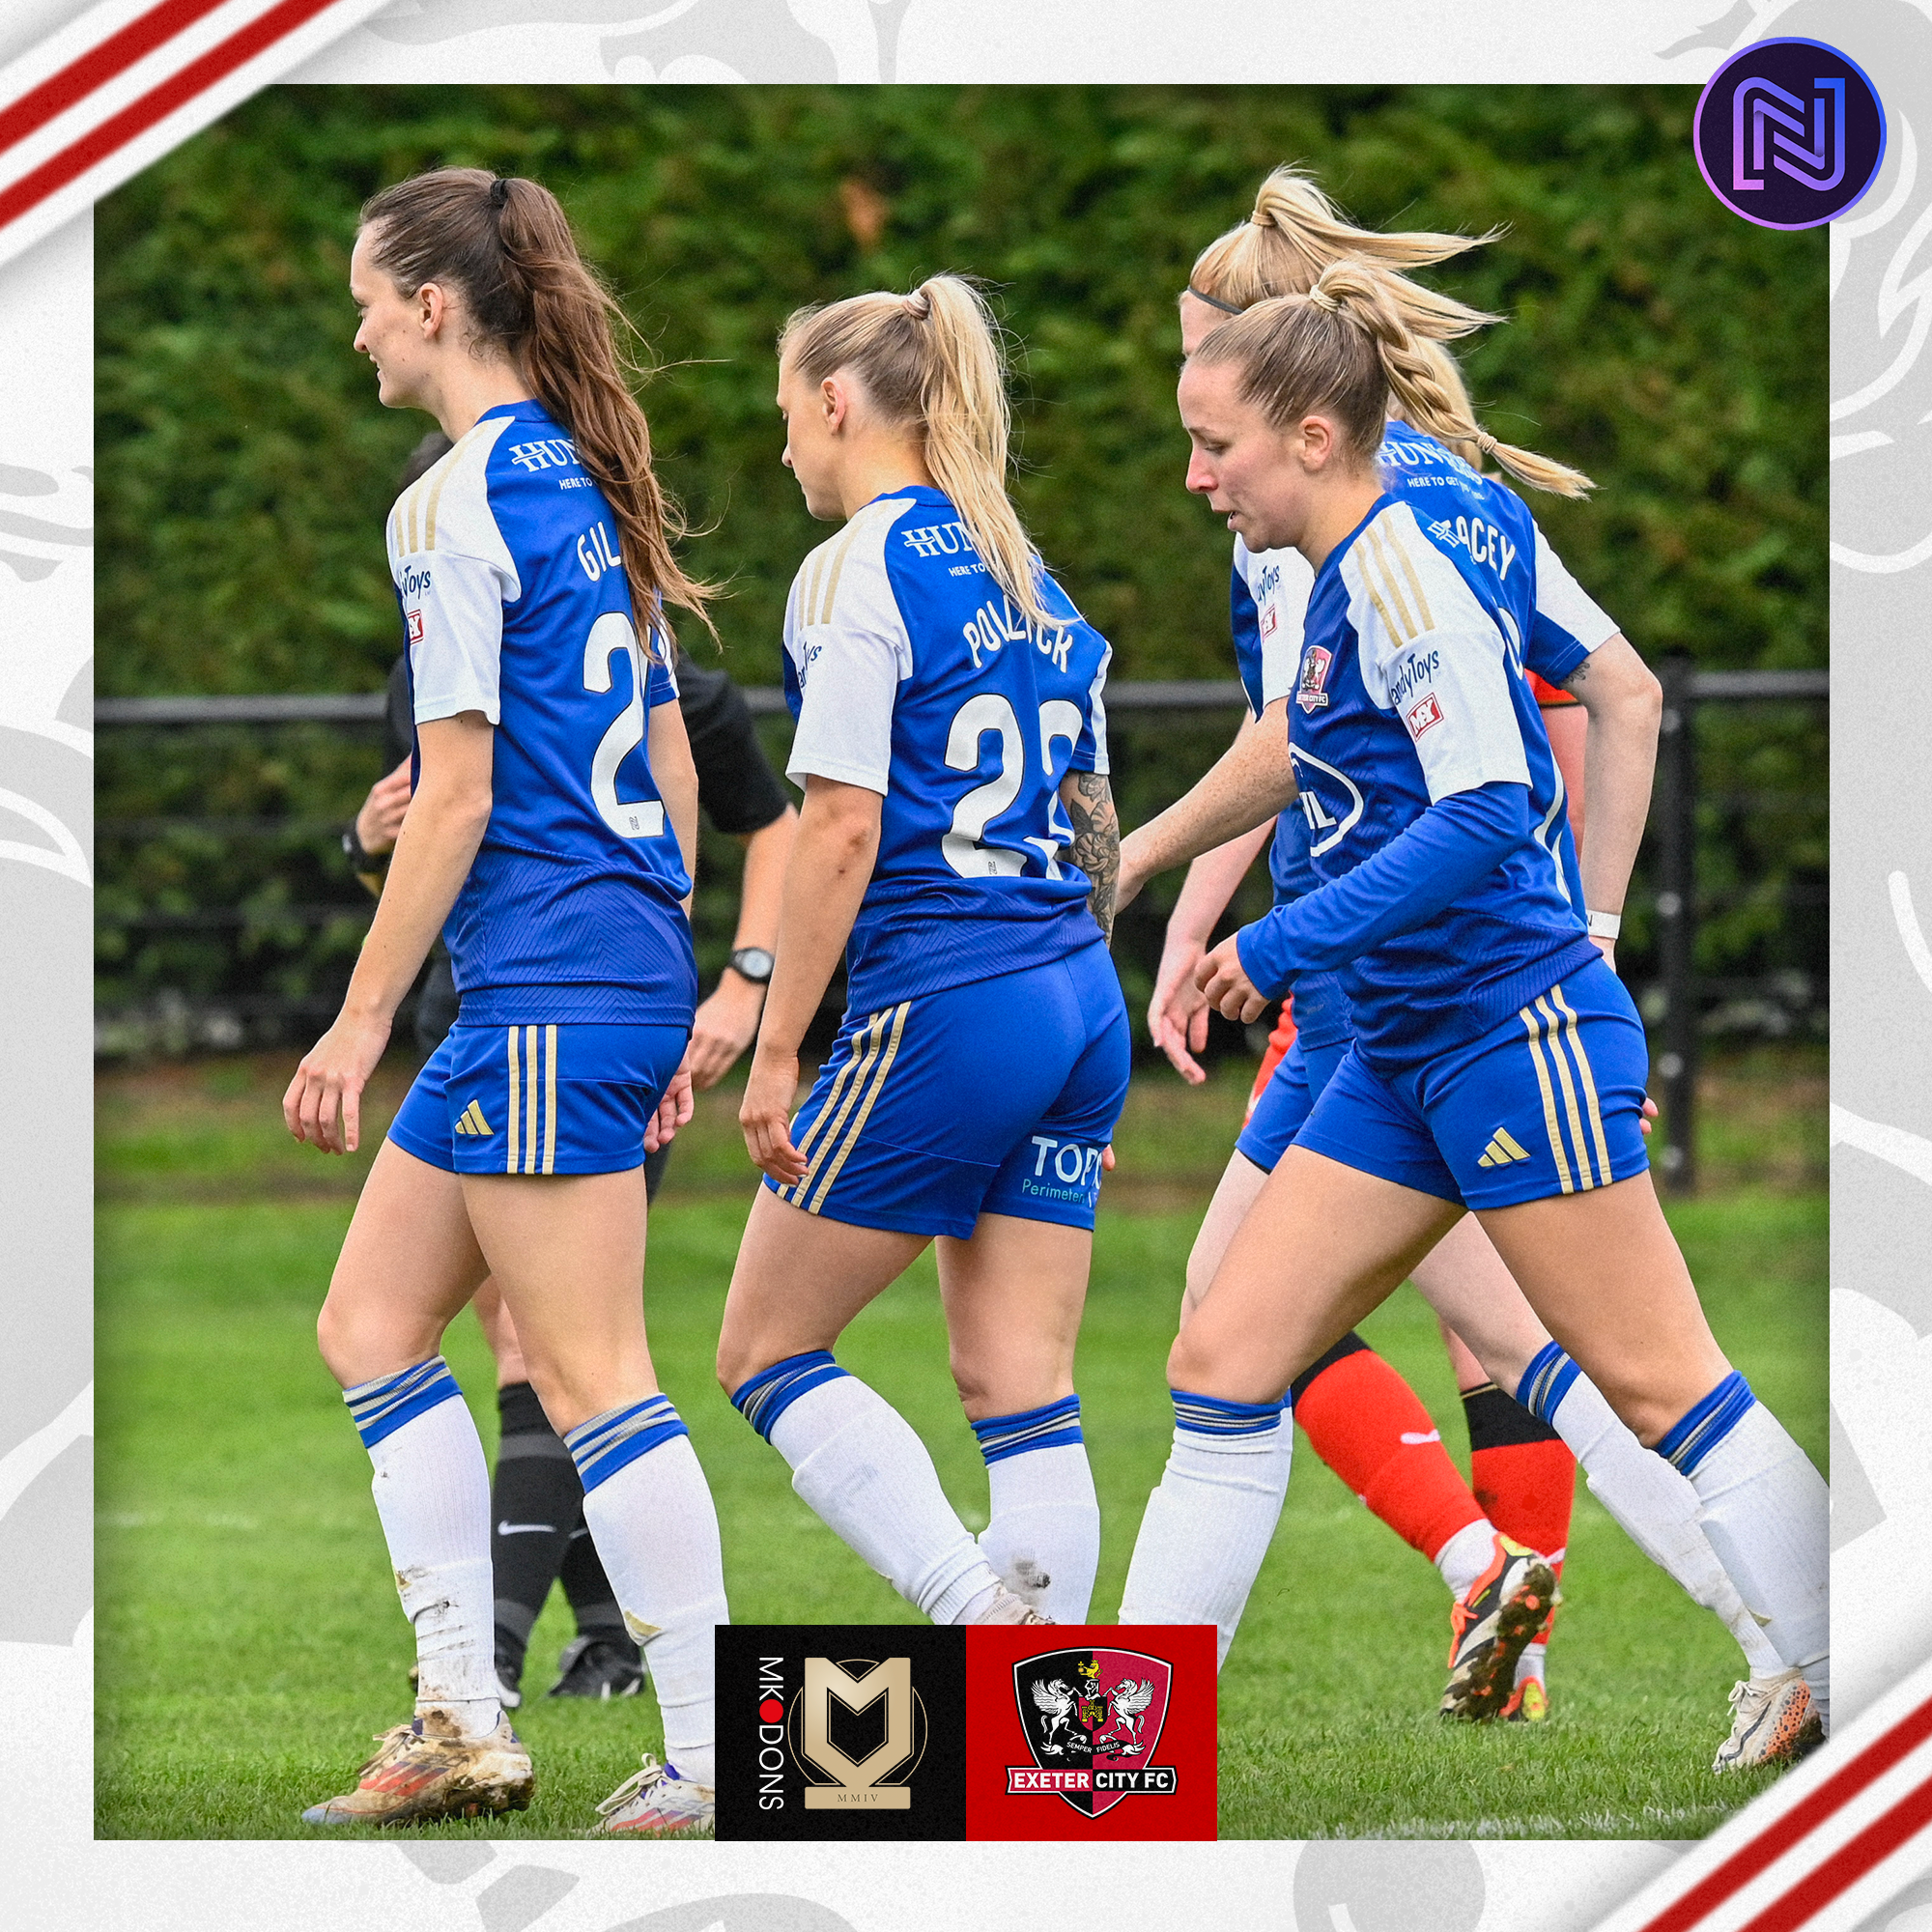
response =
{"points": [[934, 359], [507, 244], [1296, 233], [1348, 347]]}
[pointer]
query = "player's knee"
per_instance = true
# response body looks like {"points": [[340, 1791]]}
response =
{"points": [[1191, 1364], [739, 1359]]}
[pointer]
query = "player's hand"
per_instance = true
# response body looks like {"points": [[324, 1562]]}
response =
{"points": [[766, 1114], [673, 1111], [380, 818], [324, 1103], [1647, 1114], [726, 1025], [1228, 989], [1177, 1013]]}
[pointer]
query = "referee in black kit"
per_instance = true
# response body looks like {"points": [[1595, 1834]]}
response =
{"points": [[538, 1535]]}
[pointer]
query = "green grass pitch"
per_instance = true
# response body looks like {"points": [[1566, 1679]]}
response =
{"points": [[249, 1641]]}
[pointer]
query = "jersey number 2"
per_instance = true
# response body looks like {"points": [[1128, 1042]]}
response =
{"points": [[971, 817], [627, 818]]}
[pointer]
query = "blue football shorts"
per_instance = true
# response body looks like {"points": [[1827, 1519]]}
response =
{"points": [[996, 1097], [1548, 1103], [566, 1098], [1300, 1076]]}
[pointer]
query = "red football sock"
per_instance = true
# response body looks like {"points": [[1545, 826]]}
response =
{"points": [[1522, 1474], [1370, 1427]]}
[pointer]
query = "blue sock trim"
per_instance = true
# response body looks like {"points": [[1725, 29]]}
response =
{"points": [[1210, 1415], [1546, 1381], [610, 1441], [1053, 1425], [772, 1391], [1705, 1423], [381, 1407]]}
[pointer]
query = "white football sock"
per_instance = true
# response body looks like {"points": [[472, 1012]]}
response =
{"points": [[1766, 1512], [1044, 1538], [1464, 1558], [431, 1490], [1531, 1665], [1657, 1507], [656, 1531], [862, 1467], [1208, 1525]]}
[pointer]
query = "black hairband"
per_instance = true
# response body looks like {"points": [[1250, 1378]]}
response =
{"points": [[499, 192], [1215, 301]]}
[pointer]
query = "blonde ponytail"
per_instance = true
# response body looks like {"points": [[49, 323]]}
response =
{"points": [[1350, 348], [1296, 233], [934, 359]]}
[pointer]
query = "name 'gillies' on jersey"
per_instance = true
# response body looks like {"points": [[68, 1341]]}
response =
{"points": [[910, 674]]}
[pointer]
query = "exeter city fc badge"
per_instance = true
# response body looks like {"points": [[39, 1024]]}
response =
{"points": [[1091, 1720], [1308, 692]]}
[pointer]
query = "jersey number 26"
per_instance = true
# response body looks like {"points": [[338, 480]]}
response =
{"points": [[979, 715]]}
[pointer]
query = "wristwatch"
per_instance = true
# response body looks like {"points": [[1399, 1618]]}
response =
{"points": [[360, 861], [753, 963]]}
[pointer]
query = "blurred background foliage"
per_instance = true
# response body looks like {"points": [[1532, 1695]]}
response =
{"points": [[245, 468]]}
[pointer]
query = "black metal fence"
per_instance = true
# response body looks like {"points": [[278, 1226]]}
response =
{"points": [[227, 919]]}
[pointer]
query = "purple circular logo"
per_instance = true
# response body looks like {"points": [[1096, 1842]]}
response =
{"points": [[1789, 134]]}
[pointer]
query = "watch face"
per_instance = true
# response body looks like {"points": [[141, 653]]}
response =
{"points": [[753, 962]]}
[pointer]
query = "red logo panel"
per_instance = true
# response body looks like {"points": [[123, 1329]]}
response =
{"points": [[1090, 1731]]}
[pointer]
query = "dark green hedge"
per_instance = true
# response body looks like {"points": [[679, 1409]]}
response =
{"points": [[1673, 351]]}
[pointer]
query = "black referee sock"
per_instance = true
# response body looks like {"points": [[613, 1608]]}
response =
{"points": [[535, 1502]]}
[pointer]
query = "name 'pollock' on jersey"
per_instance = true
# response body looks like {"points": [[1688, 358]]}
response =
{"points": [[1413, 686], [909, 672], [505, 562]]}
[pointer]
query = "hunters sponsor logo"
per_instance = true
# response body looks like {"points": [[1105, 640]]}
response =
{"points": [[1092, 1718], [1424, 716], [552, 452], [830, 1733], [1309, 692]]}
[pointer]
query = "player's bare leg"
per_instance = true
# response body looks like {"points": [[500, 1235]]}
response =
{"points": [[1014, 1296], [800, 1279]]}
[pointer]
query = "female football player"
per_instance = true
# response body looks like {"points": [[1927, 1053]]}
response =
{"points": [[957, 842], [1497, 1063], [553, 808], [1359, 1414]]}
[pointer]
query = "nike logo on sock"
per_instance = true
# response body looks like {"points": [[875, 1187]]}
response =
{"points": [[526, 1529], [1412, 1440]]}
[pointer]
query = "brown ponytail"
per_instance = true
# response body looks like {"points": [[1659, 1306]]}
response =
{"points": [[933, 360], [1295, 232], [1350, 347], [506, 244]]}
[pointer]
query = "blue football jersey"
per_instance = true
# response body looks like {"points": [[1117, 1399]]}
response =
{"points": [[505, 562], [909, 672], [1269, 602], [1411, 688]]}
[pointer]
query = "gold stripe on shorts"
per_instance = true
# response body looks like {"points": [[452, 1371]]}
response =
{"points": [[876, 1087], [1555, 1133], [550, 1100], [1589, 1080], [1585, 1174], [510, 1125]]}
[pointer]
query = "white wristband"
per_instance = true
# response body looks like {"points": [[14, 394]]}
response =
{"points": [[1606, 924]]}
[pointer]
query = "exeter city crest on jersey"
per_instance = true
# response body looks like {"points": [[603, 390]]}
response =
{"points": [[1091, 1720]]}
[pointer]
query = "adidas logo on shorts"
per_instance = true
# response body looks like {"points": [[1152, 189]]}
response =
{"points": [[1501, 1151], [474, 1123]]}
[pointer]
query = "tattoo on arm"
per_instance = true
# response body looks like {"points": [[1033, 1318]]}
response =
{"points": [[1088, 799], [1576, 677]]}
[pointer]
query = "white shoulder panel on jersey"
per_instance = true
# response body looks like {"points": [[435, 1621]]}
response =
{"points": [[1279, 581], [849, 651], [1432, 654], [454, 574], [1561, 599]]}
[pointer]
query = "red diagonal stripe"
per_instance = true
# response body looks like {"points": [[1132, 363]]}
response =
{"points": [[1847, 1865], [115, 133], [98, 66], [1777, 1837]]}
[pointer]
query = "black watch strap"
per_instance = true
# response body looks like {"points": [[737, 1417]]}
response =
{"points": [[360, 861]]}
